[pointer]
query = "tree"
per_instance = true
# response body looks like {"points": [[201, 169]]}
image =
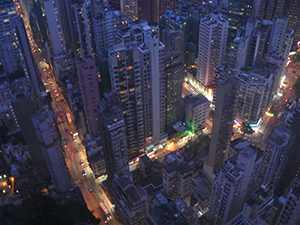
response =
{"points": [[295, 58], [246, 128], [44, 210]]}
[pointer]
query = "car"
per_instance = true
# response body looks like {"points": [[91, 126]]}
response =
{"points": [[73, 155], [56, 95], [71, 133], [40, 62], [44, 70], [70, 144], [67, 132], [51, 83], [91, 191], [55, 90], [61, 113], [74, 139], [48, 78], [83, 173], [77, 150]]}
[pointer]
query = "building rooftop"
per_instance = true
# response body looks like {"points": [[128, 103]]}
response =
{"points": [[240, 219], [168, 214], [184, 169], [170, 167], [280, 135], [145, 159], [196, 100]]}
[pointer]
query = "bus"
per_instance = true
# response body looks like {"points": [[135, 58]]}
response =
{"points": [[69, 118], [103, 207]]}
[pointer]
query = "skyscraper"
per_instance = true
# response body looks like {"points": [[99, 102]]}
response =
{"points": [[25, 106], [212, 45], [255, 92], [15, 52], [292, 10], [237, 54], [84, 28], [153, 85], [130, 8], [223, 121], [238, 13], [88, 81], [269, 9], [233, 185], [173, 41], [105, 28], [281, 37], [49, 139], [149, 10], [68, 24], [126, 81], [57, 43], [165, 4], [275, 154], [258, 32], [113, 133], [290, 213]]}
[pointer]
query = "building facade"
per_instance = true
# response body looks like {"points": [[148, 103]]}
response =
{"points": [[15, 51], [223, 121], [281, 37], [196, 112], [95, 155], [58, 45], [49, 140], [131, 201], [105, 27], [233, 184], [153, 85], [174, 71], [290, 213], [211, 49], [238, 13], [127, 83], [84, 28], [275, 154], [113, 131], [130, 8], [88, 81]]}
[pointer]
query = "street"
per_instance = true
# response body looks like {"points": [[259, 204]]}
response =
{"points": [[74, 151]]}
